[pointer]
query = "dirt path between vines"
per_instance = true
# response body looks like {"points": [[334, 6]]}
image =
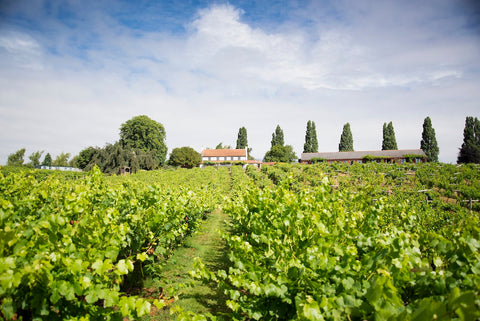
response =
{"points": [[193, 295]]}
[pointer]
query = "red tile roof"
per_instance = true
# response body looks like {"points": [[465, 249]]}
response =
{"points": [[224, 153]]}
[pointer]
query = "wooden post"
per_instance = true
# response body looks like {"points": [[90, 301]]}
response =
{"points": [[470, 202]]}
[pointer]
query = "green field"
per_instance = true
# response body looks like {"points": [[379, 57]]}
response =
{"points": [[287, 242]]}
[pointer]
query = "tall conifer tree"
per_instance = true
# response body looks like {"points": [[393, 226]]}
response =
{"points": [[346, 140], [277, 137], [470, 150], [47, 161], [389, 140], [429, 141], [242, 141], [385, 137], [311, 142]]}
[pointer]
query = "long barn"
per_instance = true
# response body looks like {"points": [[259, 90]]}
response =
{"points": [[383, 156]]}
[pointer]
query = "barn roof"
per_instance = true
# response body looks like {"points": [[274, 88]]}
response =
{"points": [[331, 156], [224, 153]]}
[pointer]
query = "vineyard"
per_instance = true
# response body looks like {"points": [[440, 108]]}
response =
{"points": [[305, 242]]}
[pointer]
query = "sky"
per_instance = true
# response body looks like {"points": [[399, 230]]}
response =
{"points": [[72, 72]]}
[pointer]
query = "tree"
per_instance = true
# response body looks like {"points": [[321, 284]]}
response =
{"points": [[47, 161], [346, 140], [311, 142], [73, 162], [470, 150], [145, 134], [85, 157], [221, 146], [277, 137], [185, 157], [16, 159], [429, 142], [113, 157], [242, 141], [61, 160], [389, 140], [35, 158], [279, 153]]}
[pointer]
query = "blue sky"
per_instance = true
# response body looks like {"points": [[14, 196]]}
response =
{"points": [[72, 72]]}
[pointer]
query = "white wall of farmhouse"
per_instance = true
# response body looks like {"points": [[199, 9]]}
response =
{"points": [[223, 158]]}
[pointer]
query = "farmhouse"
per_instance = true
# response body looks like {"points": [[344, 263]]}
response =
{"points": [[380, 156], [226, 157]]}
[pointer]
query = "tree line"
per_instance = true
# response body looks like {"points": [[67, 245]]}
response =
{"points": [[142, 147], [281, 153]]}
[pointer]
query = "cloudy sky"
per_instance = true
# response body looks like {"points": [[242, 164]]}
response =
{"points": [[71, 72]]}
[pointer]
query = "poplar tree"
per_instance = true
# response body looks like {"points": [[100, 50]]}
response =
{"points": [[470, 150], [429, 141], [346, 140], [311, 142], [389, 140], [277, 137], [242, 141]]}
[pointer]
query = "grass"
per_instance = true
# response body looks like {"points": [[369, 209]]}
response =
{"points": [[174, 279]]}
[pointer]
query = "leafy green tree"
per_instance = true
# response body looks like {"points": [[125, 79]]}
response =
{"points": [[116, 157], [470, 150], [389, 140], [35, 158], [61, 160], [85, 157], [144, 134], [185, 157], [242, 141], [279, 153], [277, 137], [311, 142], [73, 161], [429, 141], [47, 161], [145, 160], [16, 159], [346, 140], [113, 157]]}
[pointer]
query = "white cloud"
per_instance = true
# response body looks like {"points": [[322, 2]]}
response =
{"points": [[22, 50]]}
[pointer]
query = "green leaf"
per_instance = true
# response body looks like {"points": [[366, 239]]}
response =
{"points": [[142, 256], [124, 266], [8, 309], [311, 310], [142, 307], [92, 296], [111, 299], [66, 290]]}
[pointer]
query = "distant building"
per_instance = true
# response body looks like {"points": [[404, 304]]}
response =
{"points": [[214, 155], [226, 157], [60, 168], [380, 156]]}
